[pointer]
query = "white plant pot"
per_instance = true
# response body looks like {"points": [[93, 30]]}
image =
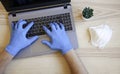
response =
{"points": [[85, 18]]}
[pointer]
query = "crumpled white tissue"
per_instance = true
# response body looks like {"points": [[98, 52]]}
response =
{"points": [[100, 35]]}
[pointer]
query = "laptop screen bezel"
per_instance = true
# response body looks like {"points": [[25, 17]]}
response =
{"points": [[33, 6]]}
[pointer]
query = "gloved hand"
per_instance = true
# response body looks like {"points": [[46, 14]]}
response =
{"points": [[18, 39], [59, 38]]}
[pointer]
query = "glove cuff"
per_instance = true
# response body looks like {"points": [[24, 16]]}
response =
{"points": [[66, 50], [11, 50]]}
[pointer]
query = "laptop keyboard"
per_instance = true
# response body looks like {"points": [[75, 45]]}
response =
{"points": [[37, 29]]}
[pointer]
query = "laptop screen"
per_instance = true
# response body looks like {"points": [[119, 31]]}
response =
{"points": [[12, 5]]}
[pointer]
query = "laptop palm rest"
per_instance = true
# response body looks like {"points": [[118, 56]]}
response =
{"points": [[37, 48]]}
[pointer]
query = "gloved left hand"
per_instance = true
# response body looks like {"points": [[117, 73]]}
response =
{"points": [[18, 39]]}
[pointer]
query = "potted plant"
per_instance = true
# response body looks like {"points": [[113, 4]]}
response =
{"points": [[87, 13]]}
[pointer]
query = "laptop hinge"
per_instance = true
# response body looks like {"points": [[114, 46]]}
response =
{"points": [[18, 11], [13, 14], [65, 6]]}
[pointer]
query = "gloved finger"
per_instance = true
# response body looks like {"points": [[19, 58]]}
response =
{"points": [[28, 27], [33, 39], [52, 26], [62, 26], [16, 25], [47, 43], [47, 31], [20, 26], [57, 26]]}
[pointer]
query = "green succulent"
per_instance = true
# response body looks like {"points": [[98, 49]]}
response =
{"points": [[87, 12]]}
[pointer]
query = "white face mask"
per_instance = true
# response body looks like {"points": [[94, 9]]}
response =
{"points": [[100, 35]]}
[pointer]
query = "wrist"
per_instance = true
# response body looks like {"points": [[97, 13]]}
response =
{"points": [[12, 50], [64, 51], [7, 54]]}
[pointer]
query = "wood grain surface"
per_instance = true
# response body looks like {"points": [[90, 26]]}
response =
{"points": [[97, 61]]}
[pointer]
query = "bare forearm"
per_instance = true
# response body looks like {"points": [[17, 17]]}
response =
{"points": [[5, 59], [75, 64]]}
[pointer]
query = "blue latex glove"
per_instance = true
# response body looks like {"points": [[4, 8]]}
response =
{"points": [[18, 39], [59, 38]]}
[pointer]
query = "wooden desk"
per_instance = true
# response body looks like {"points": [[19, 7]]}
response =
{"points": [[97, 61]]}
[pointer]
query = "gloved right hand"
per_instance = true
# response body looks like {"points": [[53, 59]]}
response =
{"points": [[59, 38]]}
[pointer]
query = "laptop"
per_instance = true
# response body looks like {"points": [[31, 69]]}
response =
{"points": [[42, 12]]}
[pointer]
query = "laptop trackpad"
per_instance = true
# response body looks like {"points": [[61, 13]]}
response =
{"points": [[37, 48]]}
